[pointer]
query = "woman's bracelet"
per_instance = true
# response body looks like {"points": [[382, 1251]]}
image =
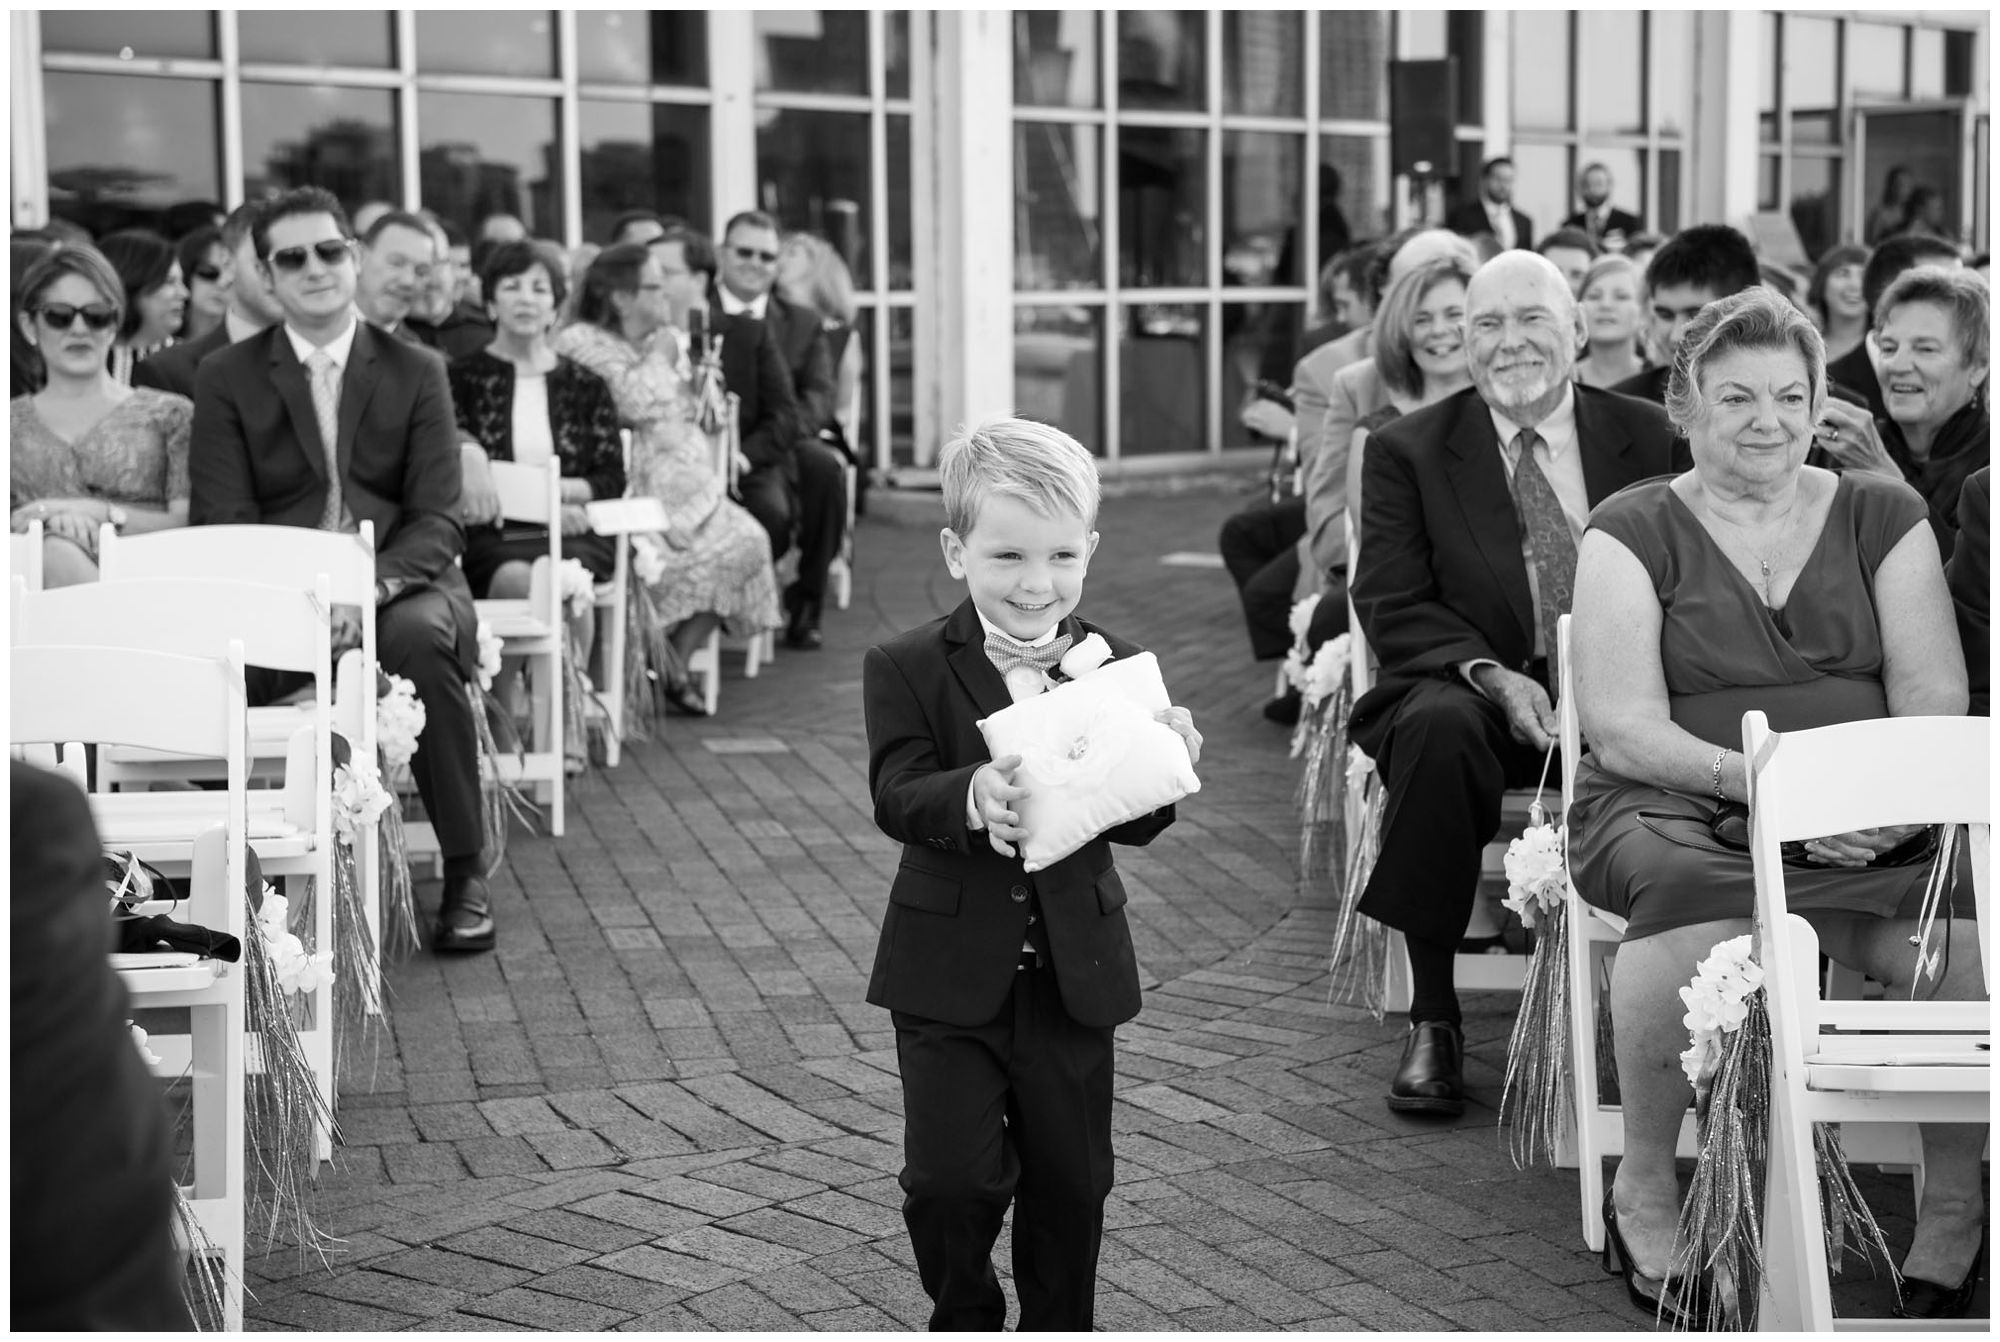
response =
{"points": [[1715, 773]]}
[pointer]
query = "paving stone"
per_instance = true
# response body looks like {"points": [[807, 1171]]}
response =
{"points": [[539, 1309], [668, 1268], [614, 1290], [461, 1271], [509, 1247], [654, 1217], [578, 1231]]}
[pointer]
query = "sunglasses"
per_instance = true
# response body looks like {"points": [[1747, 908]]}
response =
{"points": [[207, 272], [754, 254], [333, 251], [96, 316]]}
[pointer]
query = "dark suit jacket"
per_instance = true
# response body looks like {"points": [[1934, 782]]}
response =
{"points": [[1970, 577], [255, 456], [1440, 579], [1852, 373], [1469, 219], [1616, 221], [754, 368], [173, 368], [958, 911], [92, 1181], [800, 336]]}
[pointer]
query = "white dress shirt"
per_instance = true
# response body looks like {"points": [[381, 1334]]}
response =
{"points": [[1501, 219], [736, 307], [338, 348], [534, 443]]}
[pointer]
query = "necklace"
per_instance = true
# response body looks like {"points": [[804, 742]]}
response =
{"points": [[1764, 554]]}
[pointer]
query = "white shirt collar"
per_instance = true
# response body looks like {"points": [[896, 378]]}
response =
{"points": [[1557, 429], [735, 306], [1047, 637], [340, 347]]}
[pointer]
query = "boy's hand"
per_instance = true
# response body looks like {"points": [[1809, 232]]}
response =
{"points": [[993, 797], [1182, 721]]}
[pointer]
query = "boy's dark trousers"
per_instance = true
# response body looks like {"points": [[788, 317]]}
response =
{"points": [[1017, 1109]]}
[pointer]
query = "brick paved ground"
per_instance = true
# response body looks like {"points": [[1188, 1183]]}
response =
{"points": [[663, 1104]]}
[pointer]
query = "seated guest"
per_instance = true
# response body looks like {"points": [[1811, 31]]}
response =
{"points": [[1969, 575], [323, 422], [397, 255], [251, 309], [185, 216], [155, 296], [640, 226], [1931, 335], [1470, 513], [501, 228], [1854, 372], [1837, 301], [365, 217], [1571, 251], [458, 251], [1419, 348], [632, 318], [1691, 269], [1752, 581], [1611, 317], [87, 449], [812, 278], [205, 265], [440, 319], [24, 376]]}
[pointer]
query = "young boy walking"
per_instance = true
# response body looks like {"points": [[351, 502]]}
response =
{"points": [[1004, 987]]}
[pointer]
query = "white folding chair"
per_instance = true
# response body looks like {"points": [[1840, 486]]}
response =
{"points": [[532, 628], [840, 573], [1853, 1063], [66, 697], [24, 554], [609, 602], [758, 648]]}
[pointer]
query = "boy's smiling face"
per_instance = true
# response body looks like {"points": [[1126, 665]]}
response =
{"points": [[1024, 571]]}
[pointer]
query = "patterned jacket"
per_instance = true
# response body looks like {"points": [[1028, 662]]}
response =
{"points": [[583, 420]]}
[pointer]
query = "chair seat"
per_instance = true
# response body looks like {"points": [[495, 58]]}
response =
{"points": [[160, 826], [151, 974], [513, 621]]}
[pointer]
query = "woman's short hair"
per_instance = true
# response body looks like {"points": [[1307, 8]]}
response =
{"points": [[142, 259], [1614, 263], [72, 259], [1848, 254], [829, 287], [1960, 293], [1755, 318], [1395, 357], [509, 259], [615, 270], [1023, 459]]}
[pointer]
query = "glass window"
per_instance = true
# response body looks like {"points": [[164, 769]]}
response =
{"points": [[486, 42], [1353, 193], [1815, 203], [1424, 31], [1672, 42], [902, 261], [1767, 182], [1471, 157], [1055, 58], [1161, 59], [341, 37], [812, 50], [896, 54], [1667, 218], [1874, 62], [902, 384], [812, 173], [1542, 181], [1926, 63], [1541, 50], [631, 46], [1058, 363], [146, 32], [1058, 206], [1767, 82], [319, 135], [123, 147], [1811, 67], [1259, 340], [1162, 379], [1958, 48], [1611, 60], [1162, 206], [1263, 184], [482, 154], [1465, 38], [1353, 65], [641, 156], [1263, 62]]}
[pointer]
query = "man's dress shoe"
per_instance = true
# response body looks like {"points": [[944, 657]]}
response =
{"points": [[465, 921], [1429, 1081], [802, 628]]}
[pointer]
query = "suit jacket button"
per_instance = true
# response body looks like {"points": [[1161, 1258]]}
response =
{"points": [[1019, 894]]}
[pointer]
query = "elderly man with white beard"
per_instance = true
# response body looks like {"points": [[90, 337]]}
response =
{"points": [[1471, 514]]}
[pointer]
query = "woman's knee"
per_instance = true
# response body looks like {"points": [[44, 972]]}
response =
{"points": [[509, 582], [65, 563]]}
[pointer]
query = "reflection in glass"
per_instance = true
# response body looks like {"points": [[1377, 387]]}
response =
{"points": [[1162, 181], [124, 147], [1926, 63], [1612, 70], [1667, 219], [1161, 402], [1542, 183], [1541, 54], [811, 50], [484, 154], [902, 384], [1263, 62], [1058, 362], [1811, 59], [896, 54], [863, 340], [1767, 81], [641, 156], [1259, 340], [1874, 62], [1672, 33], [1058, 206], [342, 37], [1055, 58], [486, 42], [1767, 182], [1262, 186], [812, 173], [1465, 38], [1358, 192], [342, 139], [1353, 59], [902, 264], [1815, 204], [632, 46], [148, 32], [1958, 54], [1161, 62]]}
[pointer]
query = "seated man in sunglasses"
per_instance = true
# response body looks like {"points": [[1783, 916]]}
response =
{"points": [[325, 421]]}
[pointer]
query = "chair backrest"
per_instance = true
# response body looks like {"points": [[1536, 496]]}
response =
{"points": [[529, 493], [1857, 775], [1569, 727], [24, 554], [129, 697], [733, 436], [284, 628], [279, 556]]}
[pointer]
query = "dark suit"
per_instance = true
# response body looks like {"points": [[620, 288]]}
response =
{"points": [[978, 1037], [92, 1183], [1615, 221], [819, 481], [255, 456], [1440, 582], [1469, 220], [754, 368], [1969, 575], [173, 368]]}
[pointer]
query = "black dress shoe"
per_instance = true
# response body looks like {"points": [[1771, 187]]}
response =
{"points": [[1922, 1299], [802, 626], [1285, 709], [1429, 1082], [465, 922]]}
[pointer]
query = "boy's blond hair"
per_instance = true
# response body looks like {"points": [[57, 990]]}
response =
{"points": [[1036, 463]]}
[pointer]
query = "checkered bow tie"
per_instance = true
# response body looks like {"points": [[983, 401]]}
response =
{"points": [[1006, 654]]}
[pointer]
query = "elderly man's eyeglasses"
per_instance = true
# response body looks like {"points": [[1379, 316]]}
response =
{"points": [[96, 316], [332, 252], [755, 254]]}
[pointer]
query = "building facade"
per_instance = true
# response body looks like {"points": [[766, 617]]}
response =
{"points": [[1110, 220]]}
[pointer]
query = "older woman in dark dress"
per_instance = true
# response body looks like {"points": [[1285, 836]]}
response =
{"points": [[1752, 581]]}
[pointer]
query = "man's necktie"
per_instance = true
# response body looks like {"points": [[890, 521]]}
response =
{"points": [[326, 409], [1006, 654], [1549, 541]]}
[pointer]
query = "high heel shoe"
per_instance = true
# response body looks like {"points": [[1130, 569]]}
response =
{"points": [[1617, 1260], [1922, 1299], [683, 695]]}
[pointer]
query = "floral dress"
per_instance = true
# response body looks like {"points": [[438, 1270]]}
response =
{"points": [[136, 454], [717, 556]]}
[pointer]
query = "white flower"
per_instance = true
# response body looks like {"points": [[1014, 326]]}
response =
{"points": [[1718, 1002], [489, 655], [399, 721], [1326, 673], [579, 589], [139, 1041], [358, 797], [1301, 618], [649, 560], [1086, 656], [1025, 681], [1535, 877], [296, 971]]}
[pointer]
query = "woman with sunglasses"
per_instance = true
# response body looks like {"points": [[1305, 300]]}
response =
{"points": [[210, 273], [154, 296], [87, 449]]}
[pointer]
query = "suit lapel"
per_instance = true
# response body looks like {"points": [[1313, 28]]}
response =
{"points": [[288, 375], [356, 385], [1480, 481], [1604, 446], [969, 662]]}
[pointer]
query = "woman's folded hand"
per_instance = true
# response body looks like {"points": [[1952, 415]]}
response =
{"points": [[1857, 848]]}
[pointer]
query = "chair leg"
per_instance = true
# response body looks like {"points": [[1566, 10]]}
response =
{"points": [[612, 641], [1399, 986], [712, 691], [558, 761]]}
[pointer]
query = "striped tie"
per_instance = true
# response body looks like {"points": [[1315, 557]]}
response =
{"points": [[1549, 541], [326, 409]]}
